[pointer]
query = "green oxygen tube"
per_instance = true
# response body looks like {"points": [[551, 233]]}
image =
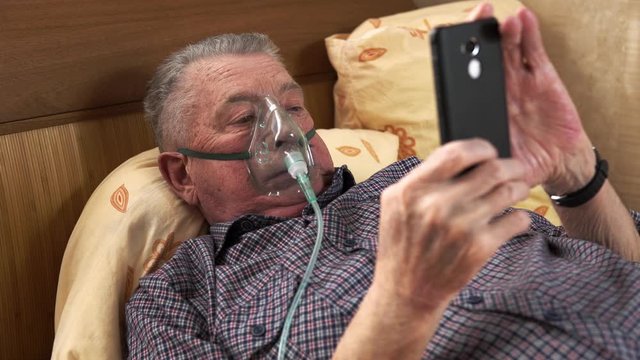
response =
{"points": [[298, 169]]}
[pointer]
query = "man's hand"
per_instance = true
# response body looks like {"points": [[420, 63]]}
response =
{"points": [[548, 138], [545, 127], [436, 228]]}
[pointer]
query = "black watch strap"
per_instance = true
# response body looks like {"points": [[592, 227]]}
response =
{"points": [[587, 193]]}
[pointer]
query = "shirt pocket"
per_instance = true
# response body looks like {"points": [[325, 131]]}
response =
{"points": [[353, 228], [252, 329]]}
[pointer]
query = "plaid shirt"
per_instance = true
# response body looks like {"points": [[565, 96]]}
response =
{"points": [[226, 295]]}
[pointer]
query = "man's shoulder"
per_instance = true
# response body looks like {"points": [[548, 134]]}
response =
{"points": [[194, 259]]}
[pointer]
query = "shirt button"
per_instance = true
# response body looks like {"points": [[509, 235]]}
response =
{"points": [[246, 225], [475, 299], [552, 315], [349, 242], [258, 330]]}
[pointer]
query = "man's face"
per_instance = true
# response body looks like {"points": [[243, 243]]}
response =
{"points": [[220, 113]]}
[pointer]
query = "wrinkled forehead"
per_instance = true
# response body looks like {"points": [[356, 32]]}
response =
{"points": [[219, 79]]}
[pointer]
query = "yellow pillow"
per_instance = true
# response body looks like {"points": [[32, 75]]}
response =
{"points": [[539, 202], [385, 80], [364, 151], [131, 224]]}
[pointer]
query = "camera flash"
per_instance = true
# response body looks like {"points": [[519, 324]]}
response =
{"points": [[474, 68]]}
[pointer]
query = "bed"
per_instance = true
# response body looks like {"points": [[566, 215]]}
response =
{"points": [[73, 75]]}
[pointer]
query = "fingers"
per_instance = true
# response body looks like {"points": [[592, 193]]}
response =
{"points": [[486, 207], [481, 11], [451, 159], [511, 31], [532, 46], [486, 176], [522, 41], [473, 198], [487, 190], [521, 38]]}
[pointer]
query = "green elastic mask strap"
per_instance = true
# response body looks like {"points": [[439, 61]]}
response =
{"points": [[234, 156]]}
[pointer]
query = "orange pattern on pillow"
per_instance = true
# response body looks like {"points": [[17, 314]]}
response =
{"points": [[364, 151], [370, 149], [162, 251], [407, 143], [349, 150], [371, 54], [541, 210], [396, 88], [375, 22], [120, 198], [414, 32], [106, 252]]}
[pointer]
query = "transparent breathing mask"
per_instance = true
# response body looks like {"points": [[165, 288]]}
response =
{"points": [[278, 151]]}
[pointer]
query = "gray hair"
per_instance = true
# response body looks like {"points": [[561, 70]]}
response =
{"points": [[165, 115]]}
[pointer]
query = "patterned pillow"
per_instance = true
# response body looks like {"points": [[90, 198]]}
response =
{"points": [[131, 224], [385, 80], [363, 151]]}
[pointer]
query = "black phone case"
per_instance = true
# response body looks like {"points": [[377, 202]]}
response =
{"points": [[470, 107]]}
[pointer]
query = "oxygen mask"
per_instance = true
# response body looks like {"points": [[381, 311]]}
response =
{"points": [[279, 150]]}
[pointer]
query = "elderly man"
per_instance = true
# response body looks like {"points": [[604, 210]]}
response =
{"points": [[417, 261]]}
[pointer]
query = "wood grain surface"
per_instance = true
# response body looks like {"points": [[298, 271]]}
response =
{"points": [[62, 56], [47, 176]]}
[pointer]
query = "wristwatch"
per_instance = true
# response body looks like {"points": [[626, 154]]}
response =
{"points": [[587, 193]]}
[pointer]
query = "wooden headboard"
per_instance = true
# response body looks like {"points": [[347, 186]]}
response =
{"points": [[72, 77]]}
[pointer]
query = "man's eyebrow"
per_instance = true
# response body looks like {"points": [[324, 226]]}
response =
{"points": [[248, 97], [242, 97], [290, 86]]}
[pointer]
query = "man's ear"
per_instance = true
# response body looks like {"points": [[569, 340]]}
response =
{"points": [[173, 167]]}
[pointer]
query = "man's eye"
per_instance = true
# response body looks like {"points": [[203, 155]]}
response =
{"points": [[295, 109], [245, 119]]}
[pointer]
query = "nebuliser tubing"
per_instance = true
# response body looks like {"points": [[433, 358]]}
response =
{"points": [[298, 170]]}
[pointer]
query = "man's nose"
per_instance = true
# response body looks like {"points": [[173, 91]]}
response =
{"points": [[286, 132]]}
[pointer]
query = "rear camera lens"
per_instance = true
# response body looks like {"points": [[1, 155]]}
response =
{"points": [[471, 47]]}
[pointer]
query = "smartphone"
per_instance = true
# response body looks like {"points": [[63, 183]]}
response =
{"points": [[469, 83]]}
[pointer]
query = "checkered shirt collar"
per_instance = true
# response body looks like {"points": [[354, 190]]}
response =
{"points": [[342, 181]]}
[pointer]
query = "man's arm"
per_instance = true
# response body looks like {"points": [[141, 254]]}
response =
{"points": [[437, 229], [547, 135], [388, 328], [604, 220]]}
